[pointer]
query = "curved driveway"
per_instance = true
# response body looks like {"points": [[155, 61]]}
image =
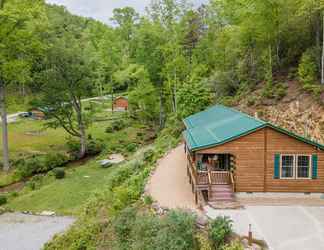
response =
{"points": [[29, 232], [169, 184]]}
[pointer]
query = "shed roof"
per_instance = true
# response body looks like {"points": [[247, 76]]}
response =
{"points": [[219, 124]]}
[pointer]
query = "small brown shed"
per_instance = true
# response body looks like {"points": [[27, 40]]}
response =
{"points": [[121, 103], [229, 151]]}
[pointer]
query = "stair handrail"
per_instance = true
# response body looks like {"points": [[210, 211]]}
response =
{"points": [[209, 184], [232, 181]]}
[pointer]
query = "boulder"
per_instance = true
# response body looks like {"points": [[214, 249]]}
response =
{"points": [[202, 220], [47, 213]]}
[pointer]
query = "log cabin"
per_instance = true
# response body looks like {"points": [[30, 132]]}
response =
{"points": [[230, 152]]}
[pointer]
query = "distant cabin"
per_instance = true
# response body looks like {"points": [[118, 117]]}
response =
{"points": [[121, 103], [229, 152]]}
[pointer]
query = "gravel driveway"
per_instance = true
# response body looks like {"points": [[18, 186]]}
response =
{"points": [[169, 184], [29, 232], [282, 227]]}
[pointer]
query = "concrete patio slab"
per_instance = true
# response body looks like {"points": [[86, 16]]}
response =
{"points": [[282, 227]]}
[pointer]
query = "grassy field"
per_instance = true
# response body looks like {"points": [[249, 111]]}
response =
{"points": [[64, 196], [30, 137]]}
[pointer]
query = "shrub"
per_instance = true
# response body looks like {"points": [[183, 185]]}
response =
{"points": [[251, 101], [236, 245], [219, 230], [203, 242], [31, 185], [27, 167], [148, 155], [94, 147], [148, 200], [109, 129], [131, 147], [40, 164], [54, 160], [118, 125], [274, 91], [124, 223], [59, 173], [175, 231], [178, 231], [3, 200]]}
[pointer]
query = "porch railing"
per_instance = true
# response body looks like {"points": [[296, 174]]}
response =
{"points": [[210, 177], [220, 177]]}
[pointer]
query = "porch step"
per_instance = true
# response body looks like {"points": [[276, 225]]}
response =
{"points": [[221, 188], [221, 193]]}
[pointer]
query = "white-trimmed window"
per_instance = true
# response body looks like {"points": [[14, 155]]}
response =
{"points": [[303, 166], [295, 166], [287, 168]]}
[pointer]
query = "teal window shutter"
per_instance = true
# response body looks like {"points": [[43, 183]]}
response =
{"points": [[314, 166], [277, 166]]}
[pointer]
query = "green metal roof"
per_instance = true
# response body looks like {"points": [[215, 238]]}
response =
{"points": [[219, 124]]}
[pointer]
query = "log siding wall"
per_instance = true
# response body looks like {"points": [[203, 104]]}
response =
{"points": [[254, 157]]}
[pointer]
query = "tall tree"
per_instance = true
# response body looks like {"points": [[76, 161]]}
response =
{"points": [[68, 79], [19, 41]]}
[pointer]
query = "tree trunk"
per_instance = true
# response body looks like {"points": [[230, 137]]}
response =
{"points": [[112, 99], [83, 139], [4, 125], [161, 109], [322, 78]]}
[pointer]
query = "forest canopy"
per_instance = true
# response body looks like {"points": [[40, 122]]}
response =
{"points": [[172, 61]]}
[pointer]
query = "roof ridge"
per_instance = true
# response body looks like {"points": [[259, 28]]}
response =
{"points": [[242, 113]]}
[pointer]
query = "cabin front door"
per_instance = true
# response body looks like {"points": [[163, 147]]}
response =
{"points": [[221, 162]]}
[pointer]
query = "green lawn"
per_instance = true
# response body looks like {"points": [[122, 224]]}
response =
{"points": [[64, 196], [30, 137]]}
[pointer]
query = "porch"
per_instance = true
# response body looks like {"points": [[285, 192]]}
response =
{"points": [[211, 176]]}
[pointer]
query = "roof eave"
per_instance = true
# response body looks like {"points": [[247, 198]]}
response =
{"points": [[284, 131]]}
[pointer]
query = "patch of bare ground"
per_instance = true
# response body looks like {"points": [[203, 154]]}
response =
{"points": [[298, 112]]}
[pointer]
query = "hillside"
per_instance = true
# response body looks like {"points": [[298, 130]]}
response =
{"points": [[297, 111]]}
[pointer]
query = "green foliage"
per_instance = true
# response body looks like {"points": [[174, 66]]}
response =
{"points": [[219, 230], [204, 242], [192, 98], [40, 164], [118, 125], [307, 69], [131, 147], [148, 200], [175, 231], [235, 245], [274, 91], [59, 173], [123, 225], [144, 102], [3, 200], [94, 147]]}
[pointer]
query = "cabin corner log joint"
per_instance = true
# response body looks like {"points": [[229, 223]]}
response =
{"points": [[229, 151]]}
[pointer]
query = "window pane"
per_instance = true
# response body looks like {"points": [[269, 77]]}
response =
{"points": [[287, 172], [303, 166], [287, 163]]}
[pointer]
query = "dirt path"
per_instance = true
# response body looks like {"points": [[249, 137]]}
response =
{"points": [[169, 184]]}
